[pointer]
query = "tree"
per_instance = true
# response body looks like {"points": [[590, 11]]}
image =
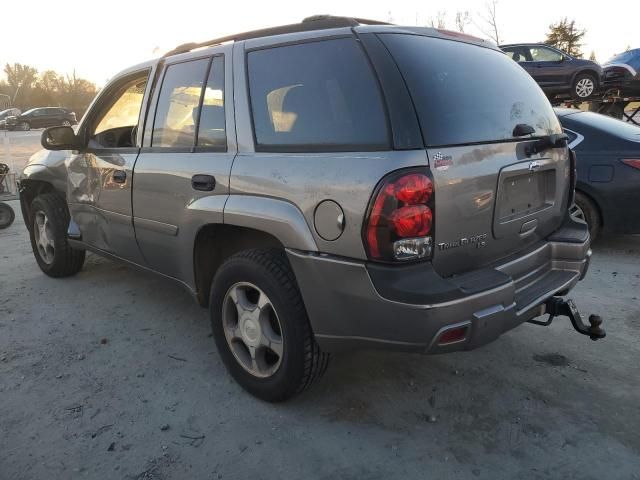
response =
{"points": [[27, 89], [439, 21], [565, 36], [462, 20], [490, 18], [592, 57], [20, 78]]}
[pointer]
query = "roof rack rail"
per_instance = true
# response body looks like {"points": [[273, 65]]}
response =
{"points": [[315, 22]]}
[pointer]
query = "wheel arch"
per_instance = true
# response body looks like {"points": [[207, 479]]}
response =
{"points": [[587, 70], [29, 189], [216, 242]]}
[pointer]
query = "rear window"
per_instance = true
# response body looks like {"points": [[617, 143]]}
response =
{"points": [[468, 94], [319, 96], [605, 123]]}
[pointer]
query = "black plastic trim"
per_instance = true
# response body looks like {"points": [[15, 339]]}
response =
{"points": [[419, 284], [405, 128]]}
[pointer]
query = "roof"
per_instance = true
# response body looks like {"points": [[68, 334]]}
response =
{"points": [[324, 22]]}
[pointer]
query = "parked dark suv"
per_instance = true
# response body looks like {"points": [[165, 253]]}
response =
{"points": [[555, 71], [323, 186], [42, 117]]}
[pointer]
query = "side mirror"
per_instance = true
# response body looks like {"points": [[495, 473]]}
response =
{"points": [[60, 138]]}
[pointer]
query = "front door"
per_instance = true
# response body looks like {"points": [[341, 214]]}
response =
{"points": [[100, 176], [547, 66], [182, 172]]}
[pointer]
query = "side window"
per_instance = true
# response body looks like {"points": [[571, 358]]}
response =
{"points": [[542, 54], [211, 130], [516, 54], [116, 122], [319, 95], [178, 101]]}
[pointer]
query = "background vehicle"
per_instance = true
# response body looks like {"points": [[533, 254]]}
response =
{"points": [[608, 164], [41, 118], [305, 206], [555, 71], [7, 113], [622, 72]]}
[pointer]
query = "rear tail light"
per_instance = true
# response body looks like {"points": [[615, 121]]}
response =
{"points": [[632, 162], [399, 225]]}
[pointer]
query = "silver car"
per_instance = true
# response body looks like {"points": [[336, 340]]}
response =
{"points": [[328, 185]]}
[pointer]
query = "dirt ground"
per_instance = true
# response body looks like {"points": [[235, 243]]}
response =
{"points": [[112, 374]]}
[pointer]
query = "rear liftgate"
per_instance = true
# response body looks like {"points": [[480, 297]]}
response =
{"points": [[557, 306]]}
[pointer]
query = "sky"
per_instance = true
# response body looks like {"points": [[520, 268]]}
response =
{"points": [[98, 38]]}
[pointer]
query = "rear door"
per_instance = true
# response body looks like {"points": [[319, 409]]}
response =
{"points": [[184, 166], [491, 199]]}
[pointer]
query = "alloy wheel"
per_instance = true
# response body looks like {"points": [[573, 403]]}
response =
{"points": [[252, 329], [577, 212], [584, 87], [43, 237]]}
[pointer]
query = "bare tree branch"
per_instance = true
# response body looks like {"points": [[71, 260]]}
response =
{"points": [[491, 20], [462, 20]]}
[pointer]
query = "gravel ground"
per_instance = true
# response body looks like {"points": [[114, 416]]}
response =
{"points": [[112, 374]]}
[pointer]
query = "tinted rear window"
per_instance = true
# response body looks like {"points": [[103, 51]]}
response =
{"points": [[468, 94], [319, 96]]}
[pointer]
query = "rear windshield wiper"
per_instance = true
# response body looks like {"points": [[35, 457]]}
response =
{"points": [[555, 140]]}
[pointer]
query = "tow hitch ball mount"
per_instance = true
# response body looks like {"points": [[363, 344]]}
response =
{"points": [[558, 306]]}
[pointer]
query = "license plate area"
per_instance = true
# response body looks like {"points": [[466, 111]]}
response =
{"points": [[524, 196]]}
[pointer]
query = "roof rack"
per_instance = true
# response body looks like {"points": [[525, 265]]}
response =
{"points": [[315, 22]]}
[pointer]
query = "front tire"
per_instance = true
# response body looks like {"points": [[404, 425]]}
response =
{"points": [[261, 327], [25, 126], [587, 211], [48, 234], [584, 87]]}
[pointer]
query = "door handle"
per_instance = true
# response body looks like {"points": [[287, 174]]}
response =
{"points": [[204, 183], [119, 176]]}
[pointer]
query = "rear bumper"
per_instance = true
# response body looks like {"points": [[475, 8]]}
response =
{"points": [[358, 305]]}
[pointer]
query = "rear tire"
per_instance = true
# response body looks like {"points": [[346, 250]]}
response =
{"points": [[7, 216], [48, 234], [584, 86], [587, 211], [269, 278]]}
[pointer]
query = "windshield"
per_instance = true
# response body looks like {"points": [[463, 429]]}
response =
{"points": [[468, 94], [29, 111], [632, 58]]}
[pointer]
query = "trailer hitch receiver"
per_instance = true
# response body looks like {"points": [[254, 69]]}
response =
{"points": [[558, 306]]}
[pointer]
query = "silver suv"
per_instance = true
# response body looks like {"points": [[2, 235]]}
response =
{"points": [[327, 185]]}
